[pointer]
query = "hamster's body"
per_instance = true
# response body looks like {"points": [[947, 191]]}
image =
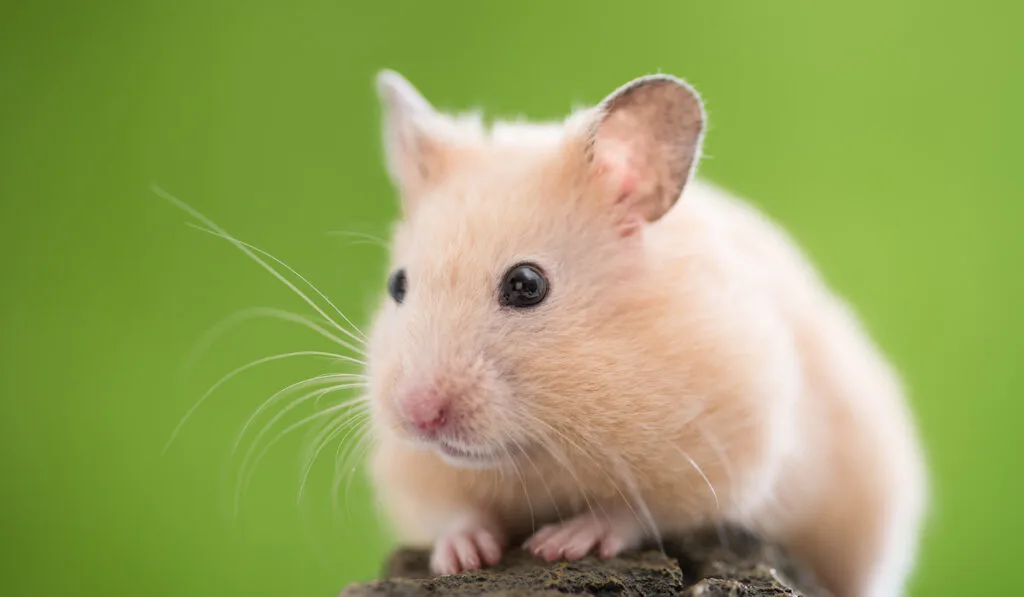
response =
{"points": [[688, 368]]}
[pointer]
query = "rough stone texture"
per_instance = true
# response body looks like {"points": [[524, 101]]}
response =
{"points": [[708, 563]]}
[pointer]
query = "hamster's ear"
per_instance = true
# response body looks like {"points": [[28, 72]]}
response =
{"points": [[414, 147], [645, 141]]}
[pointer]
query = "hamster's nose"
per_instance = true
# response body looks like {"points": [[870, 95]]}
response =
{"points": [[426, 409]]}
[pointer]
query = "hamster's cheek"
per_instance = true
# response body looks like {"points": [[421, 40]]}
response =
{"points": [[383, 370]]}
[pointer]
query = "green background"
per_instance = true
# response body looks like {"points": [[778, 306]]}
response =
{"points": [[886, 135]]}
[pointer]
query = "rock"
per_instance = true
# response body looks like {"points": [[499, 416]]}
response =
{"points": [[708, 563]]}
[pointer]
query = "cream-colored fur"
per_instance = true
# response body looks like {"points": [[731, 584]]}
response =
{"points": [[686, 368]]}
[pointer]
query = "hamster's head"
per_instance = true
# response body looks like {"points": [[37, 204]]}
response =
{"points": [[517, 266]]}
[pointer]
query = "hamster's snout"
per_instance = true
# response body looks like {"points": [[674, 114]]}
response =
{"points": [[454, 410], [425, 409]]}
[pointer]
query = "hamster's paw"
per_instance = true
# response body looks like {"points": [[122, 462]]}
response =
{"points": [[469, 545], [579, 536]]}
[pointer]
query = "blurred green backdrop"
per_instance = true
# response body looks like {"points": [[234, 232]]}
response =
{"points": [[884, 134]]}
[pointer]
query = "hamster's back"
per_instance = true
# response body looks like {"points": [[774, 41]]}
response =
{"points": [[859, 440]]}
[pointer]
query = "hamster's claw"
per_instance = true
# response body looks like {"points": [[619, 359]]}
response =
{"points": [[464, 550], [579, 536]]}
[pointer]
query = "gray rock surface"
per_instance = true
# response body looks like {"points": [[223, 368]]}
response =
{"points": [[707, 563]]}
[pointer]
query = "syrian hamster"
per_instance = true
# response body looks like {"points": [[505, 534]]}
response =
{"points": [[584, 344]]}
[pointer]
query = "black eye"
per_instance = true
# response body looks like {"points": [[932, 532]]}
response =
{"points": [[396, 285], [523, 286]]}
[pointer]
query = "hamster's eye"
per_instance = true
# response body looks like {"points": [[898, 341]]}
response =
{"points": [[396, 285], [524, 285]]}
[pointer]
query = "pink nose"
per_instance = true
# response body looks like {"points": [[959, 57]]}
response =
{"points": [[426, 409]]}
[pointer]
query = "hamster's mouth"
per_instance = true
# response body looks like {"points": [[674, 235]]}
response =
{"points": [[466, 458]]}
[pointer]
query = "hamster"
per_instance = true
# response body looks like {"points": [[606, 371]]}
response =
{"points": [[583, 344]]}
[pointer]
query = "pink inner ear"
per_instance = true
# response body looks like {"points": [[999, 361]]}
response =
{"points": [[613, 163], [615, 167]]}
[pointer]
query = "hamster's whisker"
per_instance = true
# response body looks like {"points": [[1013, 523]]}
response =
{"points": [[355, 379], [612, 478], [340, 456], [323, 439], [251, 252], [548, 444], [200, 348], [241, 244], [250, 463], [565, 464], [720, 453], [292, 406], [238, 371], [356, 434], [726, 464], [648, 517], [526, 491], [348, 452], [551, 496], [344, 424], [497, 476], [346, 420], [582, 452], [367, 238], [700, 471], [319, 379], [714, 494]]}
